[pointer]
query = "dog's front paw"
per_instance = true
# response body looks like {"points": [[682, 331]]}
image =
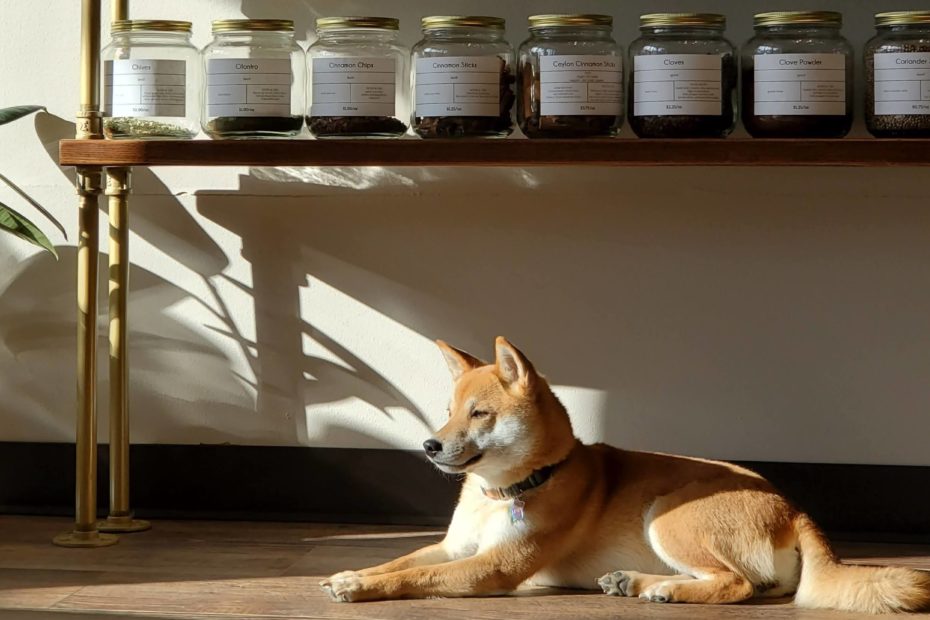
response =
{"points": [[343, 587], [617, 583]]}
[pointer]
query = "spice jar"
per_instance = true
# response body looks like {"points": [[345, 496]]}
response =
{"points": [[897, 72], [463, 78], [255, 80], [683, 79], [151, 81], [570, 78], [358, 79], [798, 76]]}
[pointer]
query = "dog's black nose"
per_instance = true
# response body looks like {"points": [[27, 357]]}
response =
{"points": [[432, 447]]}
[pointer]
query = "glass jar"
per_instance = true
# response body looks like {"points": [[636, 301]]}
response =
{"points": [[151, 81], [798, 76], [683, 77], [358, 79], [570, 78], [897, 73], [463, 78], [255, 80]]}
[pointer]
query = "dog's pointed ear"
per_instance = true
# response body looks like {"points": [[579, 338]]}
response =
{"points": [[512, 365], [459, 361]]}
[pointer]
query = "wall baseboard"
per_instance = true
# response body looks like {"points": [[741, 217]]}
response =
{"points": [[879, 502]]}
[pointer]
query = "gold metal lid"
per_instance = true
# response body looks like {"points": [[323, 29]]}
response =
{"points": [[902, 18], [338, 23], [698, 20], [150, 25], [793, 18], [435, 22], [249, 25], [555, 20]]}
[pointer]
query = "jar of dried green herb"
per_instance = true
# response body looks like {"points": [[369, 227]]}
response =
{"points": [[358, 79], [463, 78], [570, 78], [255, 80], [683, 77], [798, 76], [151, 81], [897, 72]]}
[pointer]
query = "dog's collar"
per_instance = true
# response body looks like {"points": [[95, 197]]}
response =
{"points": [[535, 479]]}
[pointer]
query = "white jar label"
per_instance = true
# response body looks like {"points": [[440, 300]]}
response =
{"points": [[580, 85], [902, 83], [799, 84], [353, 87], [678, 85], [458, 86], [248, 87], [144, 87]]}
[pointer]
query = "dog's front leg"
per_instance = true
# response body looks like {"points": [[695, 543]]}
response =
{"points": [[432, 554], [496, 571]]}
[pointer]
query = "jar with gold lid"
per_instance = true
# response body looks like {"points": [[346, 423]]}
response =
{"points": [[897, 72], [151, 81], [683, 77], [358, 79], [798, 76], [570, 78], [255, 74], [463, 78]]}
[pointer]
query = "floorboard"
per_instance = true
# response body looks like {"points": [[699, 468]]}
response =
{"points": [[191, 569]]}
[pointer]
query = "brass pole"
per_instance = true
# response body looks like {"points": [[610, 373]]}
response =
{"points": [[119, 10], [120, 517], [89, 188]]}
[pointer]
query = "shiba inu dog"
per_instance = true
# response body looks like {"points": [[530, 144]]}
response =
{"points": [[539, 506]]}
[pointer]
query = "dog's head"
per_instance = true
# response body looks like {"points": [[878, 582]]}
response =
{"points": [[504, 420]]}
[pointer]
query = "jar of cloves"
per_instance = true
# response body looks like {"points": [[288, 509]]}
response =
{"points": [[683, 77], [255, 80], [151, 81], [798, 76], [463, 78], [897, 72], [570, 78], [358, 79]]}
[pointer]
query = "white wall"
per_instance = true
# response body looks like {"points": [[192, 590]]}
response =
{"points": [[779, 314]]}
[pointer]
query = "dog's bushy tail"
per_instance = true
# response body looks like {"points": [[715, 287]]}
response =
{"points": [[826, 583]]}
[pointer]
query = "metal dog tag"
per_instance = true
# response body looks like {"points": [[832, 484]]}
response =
{"points": [[516, 512]]}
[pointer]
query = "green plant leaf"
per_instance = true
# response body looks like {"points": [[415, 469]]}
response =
{"points": [[17, 225], [8, 115]]}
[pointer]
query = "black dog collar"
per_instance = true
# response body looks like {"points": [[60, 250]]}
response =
{"points": [[535, 479]]}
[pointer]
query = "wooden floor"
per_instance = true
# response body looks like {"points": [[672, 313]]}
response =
{"points": [[214, 570]]}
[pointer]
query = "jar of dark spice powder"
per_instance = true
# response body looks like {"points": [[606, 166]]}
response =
{"points": [[255, 80], [570, 78], [358, 79], [683, 77], [798, 76], [897, 72], [463, 78]]}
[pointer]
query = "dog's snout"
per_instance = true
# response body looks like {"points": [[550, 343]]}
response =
{"points": [[432, 447]]}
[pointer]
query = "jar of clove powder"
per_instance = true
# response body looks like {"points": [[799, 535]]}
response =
{"points": [[683, 77], [570, 78], [255, 80], [358, 79], [897, 72], [798, 76], [463, 78]]}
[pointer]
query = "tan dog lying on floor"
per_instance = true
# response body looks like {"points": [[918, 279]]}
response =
{"points": [[537, 505]]}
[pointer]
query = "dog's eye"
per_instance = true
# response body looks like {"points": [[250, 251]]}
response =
{"points": [[478, 413]]}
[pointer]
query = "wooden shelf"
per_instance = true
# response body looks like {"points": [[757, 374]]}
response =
{"points": [[511, 152]]}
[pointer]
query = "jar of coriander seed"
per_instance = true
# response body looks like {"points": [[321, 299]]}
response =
{"points": [[683, 77], [570, 78], [151, 75], [463, 78], [897, 73], [358, 79], [255, 80], [798, 76]]}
